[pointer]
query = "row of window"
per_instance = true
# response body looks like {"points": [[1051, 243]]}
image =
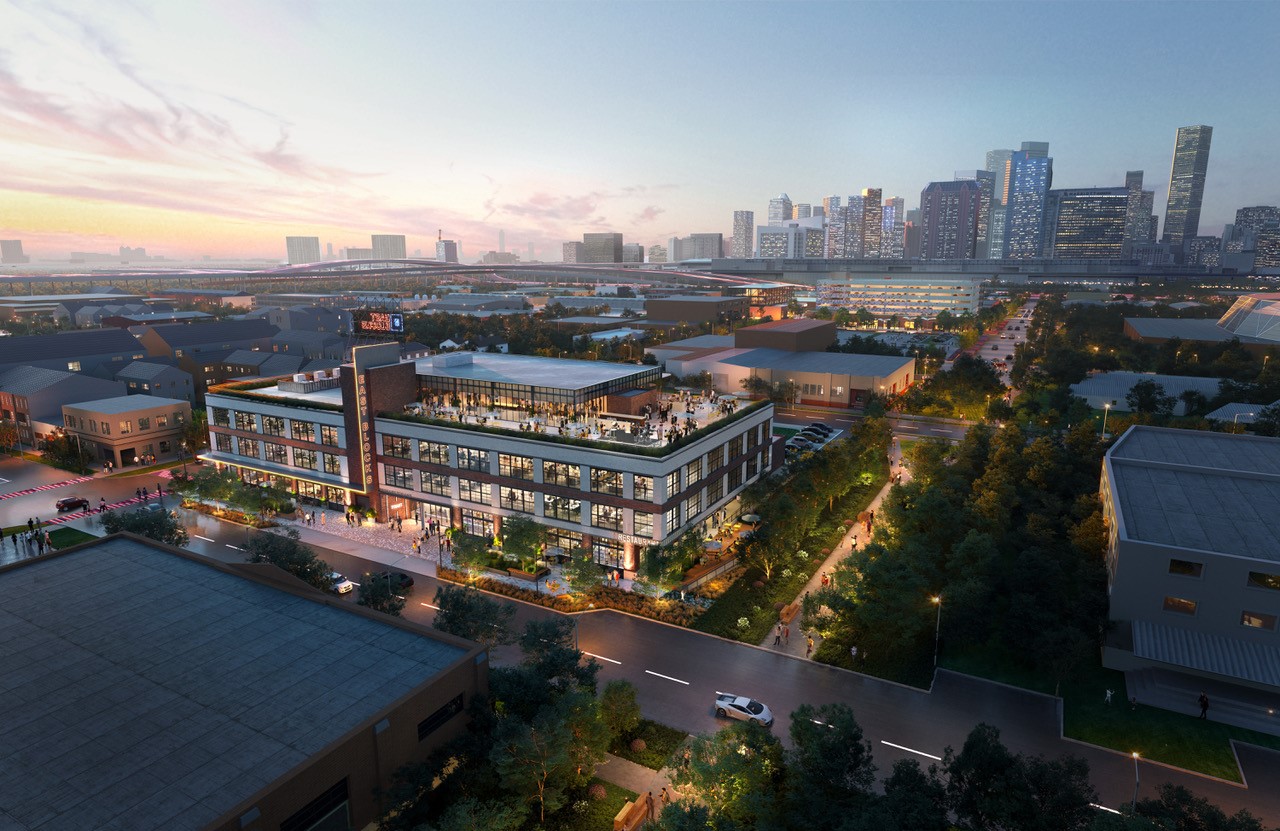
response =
{"points": [[275, 426], [279, 454], [126, 425], [1253, 620], [1256, 579]]}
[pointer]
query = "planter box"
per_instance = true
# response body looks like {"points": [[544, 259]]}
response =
{"points": [[532, 578], [501, 572]]}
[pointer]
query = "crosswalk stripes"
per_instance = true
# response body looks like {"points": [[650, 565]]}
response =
{"points": [[48, 487], [58, 520]]}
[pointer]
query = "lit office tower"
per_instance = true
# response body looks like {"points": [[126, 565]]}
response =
{"points": [[829, 205], [302, 249], [1086, 223], [911, 235], [779, 209], [447, 250], [1186, 185], [986, 183], [837, 230], [744, 230], [892, 222], [601, 248], [1250, 221], [388, 247], [872, 215], [1135, 220], [853, 227], [801, 211], [998, 167], [949, 217], [632, 252], [1029, 179]]}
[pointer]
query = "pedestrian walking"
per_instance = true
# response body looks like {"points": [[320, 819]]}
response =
{"points": [[649, 806], [777, 635], [144, 493], [1107, 699], [322, 518], [31, 524], [1204, 705], [666, 795], [137, 493], [786, 634], [808, 646], [102, 504]]}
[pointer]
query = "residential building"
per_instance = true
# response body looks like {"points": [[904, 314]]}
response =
{"points": [[837, 233], [829, 205], [573, 252], [1252, 221], [302, 250], [1193, 570], [632, 252], [447, 250], [1205, 251], [743, 243], [611, 487], [31, 398], [155, 378], [1086, 223], [85, 350], [796, 239], [126, 429], [197, 694], [388, 246], [1186, 184], [657, 254], [1029, 179], [872, 225], [11, 252], [951, 219], [779, 210], [357, 253], [908, 296], [998, 166], [602, 248], [695, 247], [307, 318], [1267, 248], [853, 227]]}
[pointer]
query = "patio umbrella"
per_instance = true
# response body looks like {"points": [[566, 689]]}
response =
{"points": [[750, 519], [712, 545]]}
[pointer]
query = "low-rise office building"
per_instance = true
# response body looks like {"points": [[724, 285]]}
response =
{"points": [[696, 309], [127, 429], [1192, 562], [468, 439], [188, 694], [32, 397], [908, 296]]}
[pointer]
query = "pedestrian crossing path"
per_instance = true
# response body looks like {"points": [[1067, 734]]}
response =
{"points": [[48, 487], [111, 506]]}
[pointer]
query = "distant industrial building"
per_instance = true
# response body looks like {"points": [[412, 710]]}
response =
{"points": [[657, 253], [632, 252], [694, 309], [1109, 390], [302, 250], [1253, 320], [31, 398], [447, 251]]}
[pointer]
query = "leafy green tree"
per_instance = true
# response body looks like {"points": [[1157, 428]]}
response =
{"points": [[1179, 808], [829, 770], [284, 551], [1148, 398], [470, 813], [156, 525], [469, 553], [738, 773], [523, 537], [533, 760], [195, 432], [913, 799], [471, 615], [379, 596], [581, 573], [1267, 421], [67, 452], [551, 653], [619, 708]]}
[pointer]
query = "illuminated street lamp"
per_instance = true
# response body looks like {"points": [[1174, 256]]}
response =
{"points": [[937, 628], [1106, 410], [1136, 780], [1236, 421]]}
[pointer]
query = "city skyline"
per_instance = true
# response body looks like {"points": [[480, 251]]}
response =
{"points": [[221, 129]]}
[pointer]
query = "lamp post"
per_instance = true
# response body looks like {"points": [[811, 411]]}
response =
{"points": [[1106, 410], [1236, 421], [937, 628], [1136, 780]]}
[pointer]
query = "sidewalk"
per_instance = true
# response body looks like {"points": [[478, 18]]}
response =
{"points": [[637, 778], [795, 644]]}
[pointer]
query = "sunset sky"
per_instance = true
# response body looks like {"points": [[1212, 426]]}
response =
{"points": [[218, 128]]}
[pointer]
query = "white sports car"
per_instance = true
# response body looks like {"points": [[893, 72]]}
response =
{"points": [[743, 709]]}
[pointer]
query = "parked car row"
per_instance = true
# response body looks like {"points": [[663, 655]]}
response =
{"points": [[810, 438]]}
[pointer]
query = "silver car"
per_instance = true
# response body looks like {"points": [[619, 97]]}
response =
{"points": [[743, 709], [341, 585]]}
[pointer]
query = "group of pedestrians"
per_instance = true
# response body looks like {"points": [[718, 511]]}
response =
{"points": [[33, 541]]}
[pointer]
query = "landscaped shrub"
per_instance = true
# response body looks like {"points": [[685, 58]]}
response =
{"points": [[638, 745], [597, 792]]}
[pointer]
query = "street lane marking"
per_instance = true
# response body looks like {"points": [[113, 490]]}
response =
{"points": [[906, 427], [1103, 808], [236, 547], [666, 677], [428, 605], [206, 539], [610, 660], [912, 750]]}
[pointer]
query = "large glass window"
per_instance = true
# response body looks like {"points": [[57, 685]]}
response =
{"points": [[332, 464], [302, 430], [642, 488], [607, 552], [329, 435], [436, 483], [249, 447], [606, 516], [1258, 620], [516, 499], [735, 477], [398, 477], [1264, 580], [220, 416], [673, 483], [473, 491], [144, 423], [396, 447], [469, 458], [273, 425], [1181, 605], [305, 459], [433, 452], [276, 453], [671, 520], [715, 490], [222, 442], [693, 472], [561, 473], [246, 422], [1185, 568], [643, 524], [515, 467], [693, 505], [477, 523], [567, 541], [606, 481], [563, 508], [735, 447]]}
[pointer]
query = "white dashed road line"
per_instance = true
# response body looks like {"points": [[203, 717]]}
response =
{"points": [[602, 658], [666, 677], [236, 547], [912, 750], [206, 539], [420, 603]]}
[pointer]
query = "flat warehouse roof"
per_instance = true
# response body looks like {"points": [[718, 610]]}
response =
{"points": [[333, 395], [152, 690], [834, 363], [526, 370]]}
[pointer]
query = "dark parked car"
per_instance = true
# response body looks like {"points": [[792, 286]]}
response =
{"points": [[826, 429], [72, 503], [398, 579]]}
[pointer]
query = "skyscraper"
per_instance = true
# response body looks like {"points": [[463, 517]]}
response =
{"points": [[1135, 220], [601, 248], [986, 183], [949, 218], [302, 249], [837, 230], [998, 167], [388, 247], [1029, 179], [872, 229], [447, 251], [1086, 223], [632, 252], [892, 223], [502, 242], [11, 252], [1250, 221], [695, 247], [572, 252], [1186, 184], [744, 227], [779, 209], [853, 227], [802, 211], [829, 205]]}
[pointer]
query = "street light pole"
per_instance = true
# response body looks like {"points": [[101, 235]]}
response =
{"points": [[937, 628], [1106, 410], [1236, 421], [1136, 780]]}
